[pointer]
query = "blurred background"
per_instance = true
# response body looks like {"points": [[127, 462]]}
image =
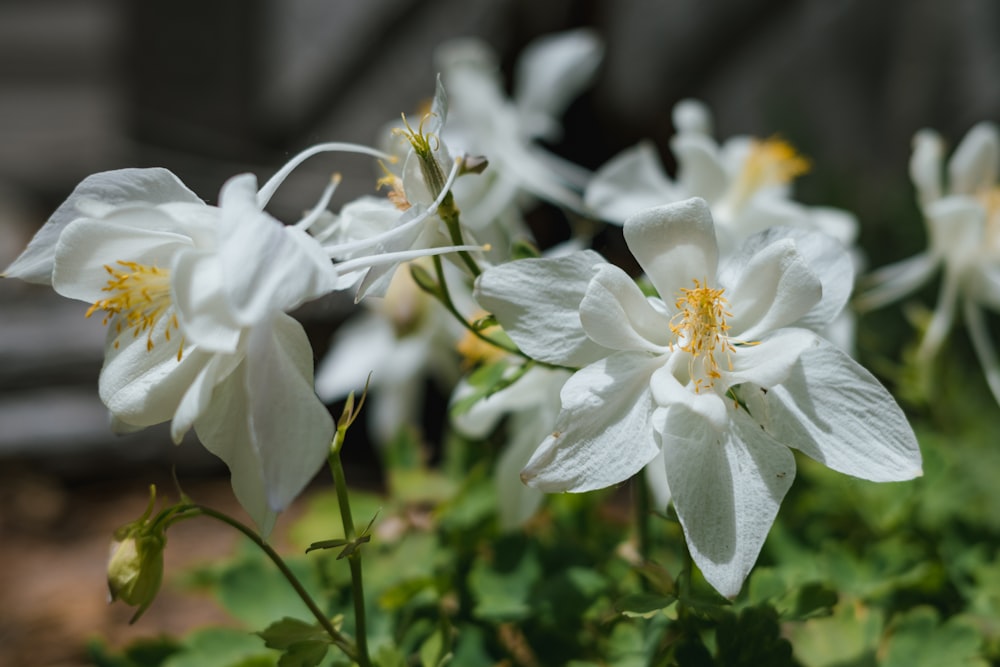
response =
{"points": [[210, 89]]}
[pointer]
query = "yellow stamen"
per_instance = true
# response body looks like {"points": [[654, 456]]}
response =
{"points": [[700, 327], [140, 295], [771, 162], [396, 194], [990, 199], [474, 350]]}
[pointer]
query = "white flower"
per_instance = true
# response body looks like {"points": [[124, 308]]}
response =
{"points": [[399, 341], [746, 181], [532, 405], [195, 298], [963, 229], [722, 373], [485, 121]]}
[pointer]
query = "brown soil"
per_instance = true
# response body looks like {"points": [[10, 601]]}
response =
{"points": [[53, 552]]}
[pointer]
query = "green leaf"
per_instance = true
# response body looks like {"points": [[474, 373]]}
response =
{"points": [[502, 586], [255, 592], [484, 380], [645, 605], [288, 631], [919, 639], [222, 647], [304, 654], [753, 638]]}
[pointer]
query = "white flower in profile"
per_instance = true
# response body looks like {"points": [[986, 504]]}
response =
{"points": [[531, 405], [722, 373], [962, 218], [195, 298], [486, 121], [746, 182]]}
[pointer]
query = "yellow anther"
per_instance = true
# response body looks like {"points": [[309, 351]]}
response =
{"points": [[396, 194], [140, 295], [701, 330], [770, 162]]}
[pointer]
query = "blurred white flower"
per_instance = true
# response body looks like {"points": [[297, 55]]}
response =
{"points": [[485, 121], [962, 218], [401, 340], [746, 182], [722, 373]]}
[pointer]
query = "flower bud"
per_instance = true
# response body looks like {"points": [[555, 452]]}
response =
{"points": [[135, 565]]}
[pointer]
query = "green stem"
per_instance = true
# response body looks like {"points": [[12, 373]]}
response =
{"points": [[354, 558], [448, 212], [449, 305], [338, 639], [642, 518]]}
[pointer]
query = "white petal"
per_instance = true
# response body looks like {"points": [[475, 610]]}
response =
{"points": [[199, 394], [538, 387], [668, 390], [700, 171], [361, 346], [674, 244], [973, 165], [615, 313], [264, 268], [773, 289], [144, 386], [110, 188], [631, 181], [604, 433], [537, 302], [727, 488], [266, 423], [983, 344], [553, 69], [203, 305], [824, 257], [893, 282], [87, 246], [226, 430], [926, 164], [836, 412], [292, 428], [692, 116], [770, 361]]}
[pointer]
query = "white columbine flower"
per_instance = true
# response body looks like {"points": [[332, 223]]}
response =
{"points": [[963, 228], [486, 121], [722, 373], [746, 182], [195, 298]]}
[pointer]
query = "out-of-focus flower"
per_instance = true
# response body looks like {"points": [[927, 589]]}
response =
{"points": [[746, 182], [400, 340], [722, 373], [962, 218], [485, 121]]}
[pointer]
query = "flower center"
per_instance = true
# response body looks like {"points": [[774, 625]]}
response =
{"points": [[700, 327], [425, 144], [140, 295], [770, 162], [990, 199], [396, 195]]}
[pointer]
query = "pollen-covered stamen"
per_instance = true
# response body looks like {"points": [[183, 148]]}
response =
{"points": [[701, 330], [140, 296], [770, 162], [394, 183]]}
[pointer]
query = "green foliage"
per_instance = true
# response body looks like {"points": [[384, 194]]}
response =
{"points": [[853, 574]]}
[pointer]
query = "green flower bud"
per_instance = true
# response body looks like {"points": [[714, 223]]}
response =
{"points": [[135, 566]]}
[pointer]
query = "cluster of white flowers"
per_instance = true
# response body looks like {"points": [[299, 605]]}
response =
{"points": [[706, 372]]}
